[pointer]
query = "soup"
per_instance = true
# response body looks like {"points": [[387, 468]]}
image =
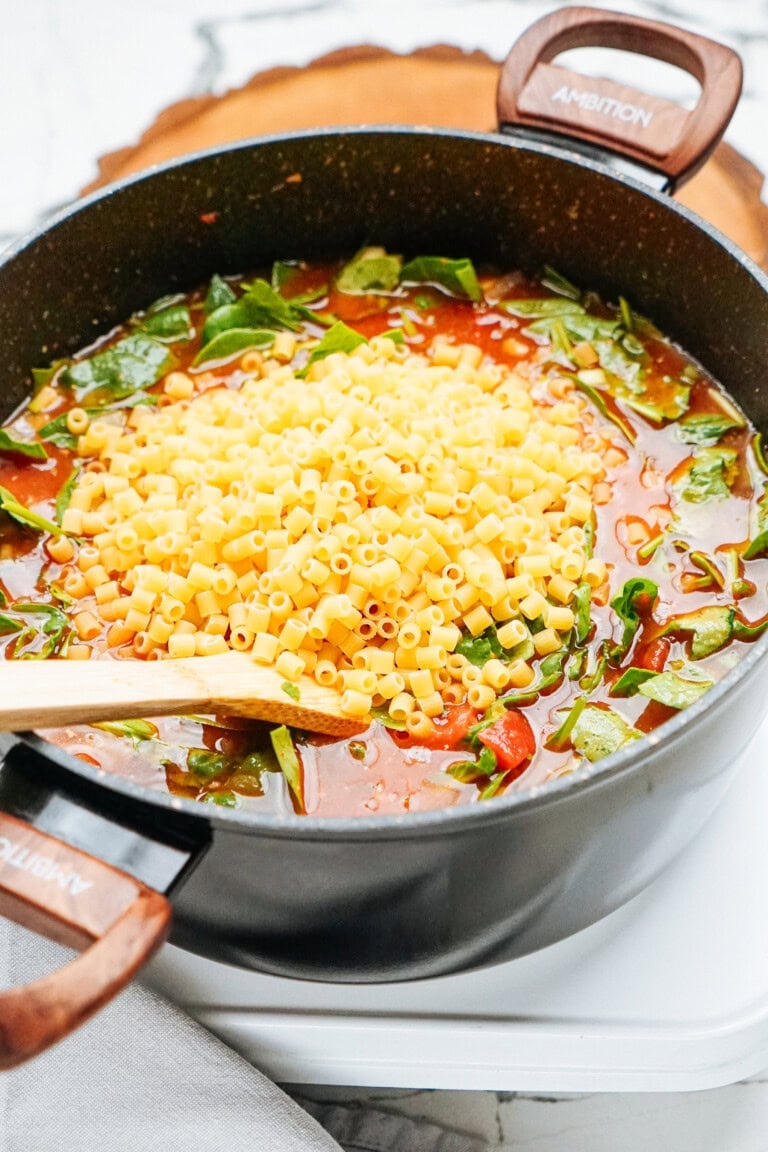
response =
{"points": [[515, 525]]}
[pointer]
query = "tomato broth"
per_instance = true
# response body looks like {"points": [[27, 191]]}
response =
{"points": [[668, 570]]}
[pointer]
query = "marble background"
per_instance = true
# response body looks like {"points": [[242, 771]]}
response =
{"points": [[80, 78]]}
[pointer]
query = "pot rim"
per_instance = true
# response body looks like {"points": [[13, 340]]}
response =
{"points": [[632, 757]]}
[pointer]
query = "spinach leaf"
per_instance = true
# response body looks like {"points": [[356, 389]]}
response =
{"points": [[550, 673], [673, 690], [65, 494], [709, 475], [42, 630], [457, 276], [168, 324], [558, 283], [560, 739], [135, 362], [289, 762], [338, 338], [710, 628], [134, 730], [629, 682], [260, 306], [544, 309], [582, 602], [480, 649], [222, 798], [674, 403], [205, 764], [470, 770], [371, 270], [600, 731], [232, 341], [28, 448], [610, 413], [17, 511], [705, 429], [636, 593], [218, 295]]}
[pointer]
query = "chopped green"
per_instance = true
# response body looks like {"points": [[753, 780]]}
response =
{"points": [[289, 762], [260, 306], [457, 276], [232, 341], [467, 771], [611, 414], [634, 594], [218, 295], [28, 448], [706, 428], [550, 307], [673, 690], [710, 628], [561, 738], [357, 749], [205, 764], [598, 732], [582, 602], [480, 649], [22, 515], [168, 324], [371, 270], [41, 630], [396, 335], [338, 338], [135, 362], [223, 798], [557, 283], [630, 680], [550, 673], [709, 475], [65, 494], [291, 690], [135, 730]]}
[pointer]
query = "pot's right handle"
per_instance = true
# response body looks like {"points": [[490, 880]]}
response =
{"points": [[535, 94], [69, 896]]}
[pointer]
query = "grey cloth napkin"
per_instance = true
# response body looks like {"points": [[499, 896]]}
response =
{"points": [[144, 1077]]}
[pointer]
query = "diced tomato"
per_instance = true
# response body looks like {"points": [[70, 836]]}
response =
{"points": [[450, 728], [652, 656], [511, 738]]}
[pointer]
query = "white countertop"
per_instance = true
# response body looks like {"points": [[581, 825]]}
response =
{"points": [[81, 78]]}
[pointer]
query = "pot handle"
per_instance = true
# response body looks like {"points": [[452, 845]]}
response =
{"points": [[69, 896], [535, 94]]}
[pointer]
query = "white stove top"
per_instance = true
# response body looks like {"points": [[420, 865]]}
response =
{"points": [[668, 993]]}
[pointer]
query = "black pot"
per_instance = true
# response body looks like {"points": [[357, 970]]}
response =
{"points": [[385, 898]]}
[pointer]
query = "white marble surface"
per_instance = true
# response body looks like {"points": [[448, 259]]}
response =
{"points": [[82, 77]]}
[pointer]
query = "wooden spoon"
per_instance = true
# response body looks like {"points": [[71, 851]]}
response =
{"points": [[55, 693]]}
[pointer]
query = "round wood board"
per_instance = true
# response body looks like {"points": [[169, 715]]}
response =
{"points": [[438, 86]]}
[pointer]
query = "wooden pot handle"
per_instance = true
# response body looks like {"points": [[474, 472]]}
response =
{"points": [[71, 897], [536, 94]]}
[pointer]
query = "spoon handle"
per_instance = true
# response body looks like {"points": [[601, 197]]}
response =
{"points": [[54, 693]]}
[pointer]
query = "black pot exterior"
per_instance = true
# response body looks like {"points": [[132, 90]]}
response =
{"points": [[432, 893]]}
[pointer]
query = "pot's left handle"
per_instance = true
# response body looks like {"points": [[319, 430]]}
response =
{"points": [[71, 897]]}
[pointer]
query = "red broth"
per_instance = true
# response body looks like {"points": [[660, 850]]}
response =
{"points": [[678, 517]]}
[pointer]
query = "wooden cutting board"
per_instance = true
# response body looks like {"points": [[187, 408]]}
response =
{"points": [[439, 86]]}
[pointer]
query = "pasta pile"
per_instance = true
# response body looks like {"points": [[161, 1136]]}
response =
{"points": [[351, 524]]}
